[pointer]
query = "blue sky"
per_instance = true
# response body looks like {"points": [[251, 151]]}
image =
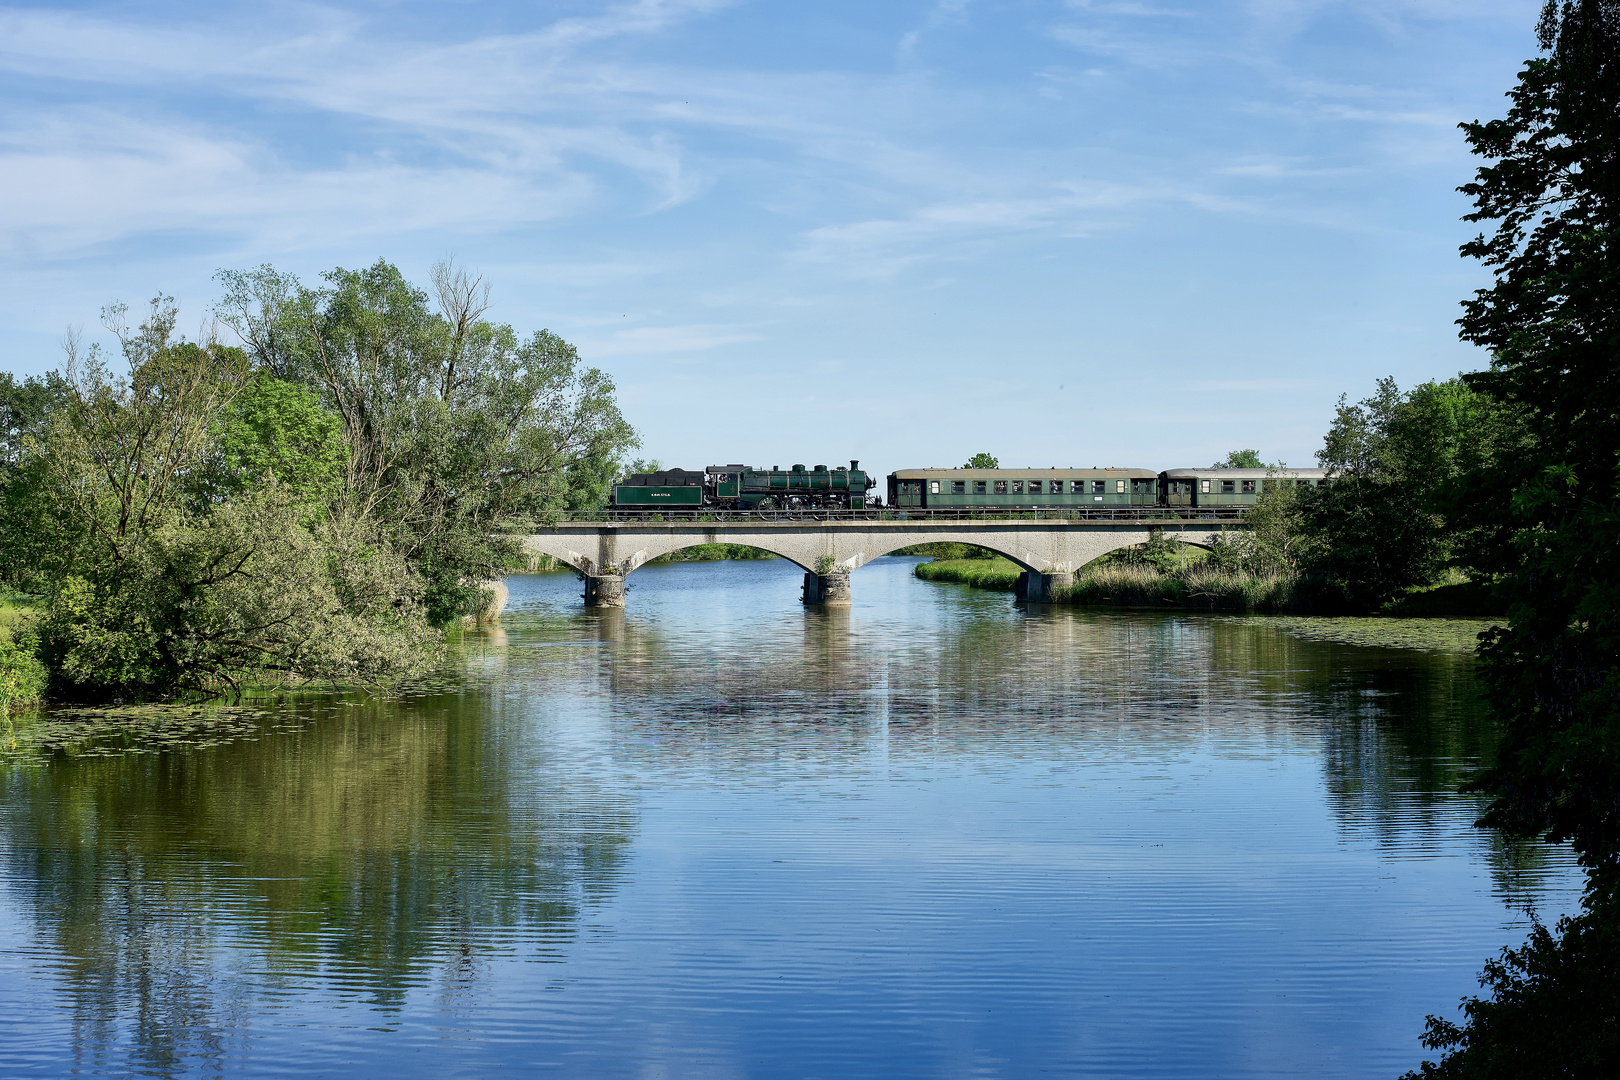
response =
{"points": [[1068, 233]]}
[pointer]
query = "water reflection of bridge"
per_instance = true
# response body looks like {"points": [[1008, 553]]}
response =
{"points": [[1049, 551]]}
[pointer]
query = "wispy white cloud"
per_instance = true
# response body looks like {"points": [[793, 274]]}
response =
{"points": [[88, 176], [666, 340]]}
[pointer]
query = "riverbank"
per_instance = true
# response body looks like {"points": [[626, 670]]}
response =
{"points": [[1197, 586]]}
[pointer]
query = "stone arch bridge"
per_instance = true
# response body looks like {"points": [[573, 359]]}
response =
{"points": [[829, 551]]}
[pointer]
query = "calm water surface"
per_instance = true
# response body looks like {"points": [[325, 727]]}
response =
{"points": [[718, 835]]}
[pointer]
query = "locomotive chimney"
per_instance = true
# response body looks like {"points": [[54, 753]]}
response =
{"points": [[854, 465]]}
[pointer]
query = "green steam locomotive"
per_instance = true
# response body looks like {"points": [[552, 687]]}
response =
{"points": [[743, 487]]}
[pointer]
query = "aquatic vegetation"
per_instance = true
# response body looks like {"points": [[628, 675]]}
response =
{"points": [[1429, 635]]}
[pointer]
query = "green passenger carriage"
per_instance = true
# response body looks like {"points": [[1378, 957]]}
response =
{"points": [[1024, 489], [1194, 488]]}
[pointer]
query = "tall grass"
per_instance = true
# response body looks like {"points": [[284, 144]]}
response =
{"points": [[1194, 587], [998, 574], [13, 606], [22, 677]]}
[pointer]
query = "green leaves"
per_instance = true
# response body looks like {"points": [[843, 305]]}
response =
{"points": [[1414, 490], [452, 425]]}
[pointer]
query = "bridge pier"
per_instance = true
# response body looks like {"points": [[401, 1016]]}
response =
{"points": [[829, 590], [605, 591], [1037, 588]]}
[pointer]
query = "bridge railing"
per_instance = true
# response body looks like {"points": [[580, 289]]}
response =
{"points": [[1229, 514]]}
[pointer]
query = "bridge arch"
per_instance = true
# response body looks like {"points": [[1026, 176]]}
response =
{"points": [[609, 551], [626, 559], [1007, 551]]}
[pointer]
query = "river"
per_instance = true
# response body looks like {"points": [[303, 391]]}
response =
{"points": [[719, 835]]}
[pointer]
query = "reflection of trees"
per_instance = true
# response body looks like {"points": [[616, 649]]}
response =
{"points": [[1403, 730], [380, 844], [1398, 731]]}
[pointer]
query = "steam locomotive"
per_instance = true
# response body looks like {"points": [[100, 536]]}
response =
{"points": [[742, 487]]}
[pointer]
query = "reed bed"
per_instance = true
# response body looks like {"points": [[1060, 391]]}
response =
{"points": [[1000, 575], [1193, 586]]}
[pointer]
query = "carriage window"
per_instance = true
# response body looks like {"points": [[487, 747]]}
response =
{"points": [[958, 487], [978, 487], [1228, 487], [1119, 487], [1248, 487], [1034, 487], [1001, 487], [933, 487], [1018, 487], [1098, 487], [1303, 483], [1077, 487]]}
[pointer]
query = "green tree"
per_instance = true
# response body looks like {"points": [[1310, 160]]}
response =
{"points": [[26, 409], [1241, 459], [454, 425], [161, 581], [1280, 539], [1551, 318], [1410, 494], [982, 461]]}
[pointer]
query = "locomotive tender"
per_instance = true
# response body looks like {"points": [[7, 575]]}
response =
{"points": [[741, 487]]}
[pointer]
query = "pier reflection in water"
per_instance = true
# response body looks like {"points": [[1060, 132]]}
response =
{"points": [[718, 833]]}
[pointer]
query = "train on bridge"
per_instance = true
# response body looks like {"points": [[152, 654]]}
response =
{"points": [[743, 487]]}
